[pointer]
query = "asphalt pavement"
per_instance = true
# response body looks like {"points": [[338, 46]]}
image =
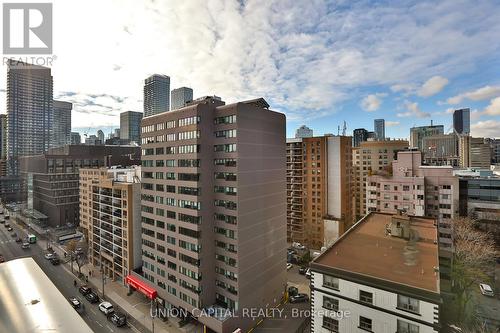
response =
{"points": [[57, 274]]}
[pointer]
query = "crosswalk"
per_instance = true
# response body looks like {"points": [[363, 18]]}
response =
{"points": [[7, 241]]}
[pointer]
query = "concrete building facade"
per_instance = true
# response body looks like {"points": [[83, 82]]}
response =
{"points": [[110, 217], [418, 134], [359, 135], [214, 208], [474, 152], [53, 178], [304, 132]]}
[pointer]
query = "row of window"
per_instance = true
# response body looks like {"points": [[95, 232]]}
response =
{"points": [[366, 324]]}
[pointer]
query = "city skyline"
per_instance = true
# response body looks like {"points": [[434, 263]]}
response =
{"points": [[298, 68]]}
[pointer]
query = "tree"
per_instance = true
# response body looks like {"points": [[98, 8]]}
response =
{"points": [[474, 252], [78, 252]]}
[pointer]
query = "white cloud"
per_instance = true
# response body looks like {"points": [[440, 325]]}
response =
{"points": [[479, 94], [432, 86], [391, 123], [487, 129], [372, 102], [413, 111], [493, 109], [304, 57]]}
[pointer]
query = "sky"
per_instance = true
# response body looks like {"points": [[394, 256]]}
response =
{"points": [[319, 62]]}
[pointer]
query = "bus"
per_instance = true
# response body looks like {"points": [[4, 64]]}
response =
{"points": [[31, 239]]}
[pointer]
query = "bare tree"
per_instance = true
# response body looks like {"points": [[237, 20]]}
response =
{"points": [[474, 252], [78, 253]]}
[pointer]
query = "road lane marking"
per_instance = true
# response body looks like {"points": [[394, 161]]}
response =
{"points": [[92, 310], [109, 328]]}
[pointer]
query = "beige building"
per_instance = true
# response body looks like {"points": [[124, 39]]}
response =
{"points": [[319, 189], [474, 152], [214, 209], [110, 219], [368, 157]]}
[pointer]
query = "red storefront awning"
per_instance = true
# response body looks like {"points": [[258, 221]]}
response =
{"points": [[141, 286]]}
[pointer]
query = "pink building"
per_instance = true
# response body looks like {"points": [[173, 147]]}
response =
{"points": [[419, 190]]}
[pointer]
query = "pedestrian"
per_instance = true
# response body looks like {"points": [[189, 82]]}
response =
{"points": [[74, 283], [87, 278], [90, 273]]}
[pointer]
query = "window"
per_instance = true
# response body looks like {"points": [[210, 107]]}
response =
{"points": [[405, 327], [330, 282], [331, 324], [365, 323], [365, 297], [408, 304], [330, 303]]}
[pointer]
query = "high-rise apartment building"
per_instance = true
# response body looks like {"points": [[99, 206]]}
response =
{"points": [[75, 138], [214, 208], [319, 185], [29, 111], [180, 97], [100, 136], [303, 132], [379, 129], [461, 121], [359, 135], [474, 152], [371, 156], [61, 124], [380, 276], [3, 136], [156, 94], [130, 126], [417, 135], [52, 178], [110, 217]]}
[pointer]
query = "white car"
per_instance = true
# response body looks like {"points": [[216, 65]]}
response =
{"points": [[288, 266], [308, 273], [49, 256], [106, 308], [486, 290]]}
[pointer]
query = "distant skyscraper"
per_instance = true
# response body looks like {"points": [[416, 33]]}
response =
{"points": [[100, 136], [61, 128], [76, 139], [461, 121], [180, 97], [359, 135], [303, 132], [130, 126], [3, 136], [379, 129], [417, 135], [156, 94], [29, 110]]}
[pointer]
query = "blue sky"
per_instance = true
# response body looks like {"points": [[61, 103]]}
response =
{"points": [[320, 62]]}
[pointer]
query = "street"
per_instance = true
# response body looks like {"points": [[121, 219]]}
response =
{"points": [[57, 274]]}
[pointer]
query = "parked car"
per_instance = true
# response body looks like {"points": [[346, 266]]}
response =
{"points": [[308, 273], [9, 229], [49, 255], [84, 290], [303, 270], [75, 302], [106, 308], [288, 266], [2, 221], [486, 290], [92, 297], [13, 235], [19, 240], [118, 318], [7, 225], [299, 298], [292, 291], [25, 245], [2, 259], [55, 261]]}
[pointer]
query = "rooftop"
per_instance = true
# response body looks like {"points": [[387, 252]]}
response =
{"points": [[368, 249]]}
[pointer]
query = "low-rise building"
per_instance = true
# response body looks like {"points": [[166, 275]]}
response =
{"points": [[111, 219], [380, 276]]}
